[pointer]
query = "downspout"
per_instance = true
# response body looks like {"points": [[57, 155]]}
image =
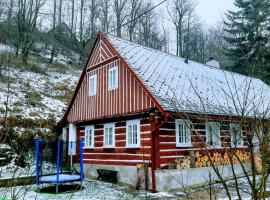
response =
{"points": [[153, 156]]}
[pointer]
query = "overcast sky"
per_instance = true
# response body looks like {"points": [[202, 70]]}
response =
{"points": [[212, 11]]}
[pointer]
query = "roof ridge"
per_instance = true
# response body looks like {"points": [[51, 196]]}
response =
{"points": [[181, 58]]}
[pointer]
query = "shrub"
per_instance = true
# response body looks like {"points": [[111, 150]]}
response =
{"points": [[33, 98]]}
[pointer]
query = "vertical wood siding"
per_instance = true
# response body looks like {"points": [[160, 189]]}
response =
{"points": [[129, 97]]}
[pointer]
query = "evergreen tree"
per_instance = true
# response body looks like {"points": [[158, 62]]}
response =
{"points": [[247, 33]]}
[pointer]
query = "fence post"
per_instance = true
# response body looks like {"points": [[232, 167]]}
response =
{"points": [[37, 162], [57, 165], [81, 160]]}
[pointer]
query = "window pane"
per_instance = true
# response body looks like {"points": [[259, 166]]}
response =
{"points": [[129, 134], [135, 132]]}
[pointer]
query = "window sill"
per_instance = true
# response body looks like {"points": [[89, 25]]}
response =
{"points": [[183, 145], [108, 147], [88, 147], [133, 147], [240, 146], [90, 95], [112, 88]]}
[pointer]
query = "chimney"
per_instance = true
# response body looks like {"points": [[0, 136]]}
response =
{"points": [[213, 63]]}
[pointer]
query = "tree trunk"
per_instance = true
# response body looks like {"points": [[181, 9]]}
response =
{"points": [[60, 11], [72, 15]]}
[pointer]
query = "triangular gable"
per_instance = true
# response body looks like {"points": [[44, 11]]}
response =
{"points": [[140, 98], [101, 53]]}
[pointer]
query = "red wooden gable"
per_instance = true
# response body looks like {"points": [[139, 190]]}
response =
{"points": [[130, 97]]}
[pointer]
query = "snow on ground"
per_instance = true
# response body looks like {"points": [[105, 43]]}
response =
{"points": [[100, 190], [5, 48], [11, 170], [50, 86], [94, 190]]}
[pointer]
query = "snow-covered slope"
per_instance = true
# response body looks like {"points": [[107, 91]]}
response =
{"points": [[37, 95]]}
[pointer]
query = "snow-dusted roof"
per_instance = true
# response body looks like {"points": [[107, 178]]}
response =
{"points": [[193, 87]]}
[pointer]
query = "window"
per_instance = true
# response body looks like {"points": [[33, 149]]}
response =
{"points": [[92, 85], [236, 135], [212, 134], [109, 137], [133, 133], [183, 136], [113, 78], [89, 137]]}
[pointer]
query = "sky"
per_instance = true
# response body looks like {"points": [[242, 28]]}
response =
{"points": [[211, 12]]}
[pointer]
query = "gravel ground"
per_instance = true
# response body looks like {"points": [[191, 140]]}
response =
{"points": [[94, 190]]}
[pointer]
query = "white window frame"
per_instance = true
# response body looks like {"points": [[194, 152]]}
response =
{"points": [[137, 123], [108, 126], [186, 124], [110, 79], [87, 130], [94, 92], [233, 125], [216, 136]]}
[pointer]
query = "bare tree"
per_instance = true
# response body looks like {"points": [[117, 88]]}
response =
{"points": [[135, 6], [60, 11], [28, 11], [178, 12], [53, 30], [72, 14], [10, 10], [246, 114], [93, 17], [119, 7], [104, 16]]}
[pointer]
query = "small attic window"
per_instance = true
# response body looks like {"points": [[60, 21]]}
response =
{"points": [[92, 85], [113, 78]]}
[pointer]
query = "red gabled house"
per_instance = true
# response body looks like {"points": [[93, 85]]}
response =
{"points": [[135, 106]]}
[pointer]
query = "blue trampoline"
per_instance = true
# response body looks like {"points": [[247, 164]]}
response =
{"points": [[60, 159]]}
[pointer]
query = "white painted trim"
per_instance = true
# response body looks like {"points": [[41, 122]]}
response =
{"points": [[145, 124], [104, 160], [109, 125], [136, 122], [92, 129], [128, 154], [146, 132], [94, 92], [110, 87], [166, 129], [180, 156], [207, 124], [185, 122]]}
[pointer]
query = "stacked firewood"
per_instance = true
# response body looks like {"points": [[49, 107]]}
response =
{"points": [[180, 163], [220, 159]]}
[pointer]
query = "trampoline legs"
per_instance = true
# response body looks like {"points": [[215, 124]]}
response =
{"points": [[56, 188]]}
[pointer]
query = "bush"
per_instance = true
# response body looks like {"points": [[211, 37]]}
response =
{"points": [[59, 67], [33, 98]]}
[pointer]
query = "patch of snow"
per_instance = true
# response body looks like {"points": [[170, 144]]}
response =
{"points": [[4, 146]]}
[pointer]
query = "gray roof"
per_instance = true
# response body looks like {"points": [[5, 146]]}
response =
{"points": [[193, 87]]}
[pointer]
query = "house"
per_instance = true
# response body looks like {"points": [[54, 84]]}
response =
{"points": [[137, 107]]}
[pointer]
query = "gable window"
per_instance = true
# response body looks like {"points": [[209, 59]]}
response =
{"points": [[213, 134], [183, 136], [109, 135], [236, 135], [133, 133], [89, 137], [92, 85], [113, 78]]}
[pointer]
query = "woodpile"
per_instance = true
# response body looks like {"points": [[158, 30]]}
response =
{"points": [[180, 163], [217, 159]]}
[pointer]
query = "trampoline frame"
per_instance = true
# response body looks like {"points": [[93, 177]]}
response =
{"points": [[39, 158]]}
